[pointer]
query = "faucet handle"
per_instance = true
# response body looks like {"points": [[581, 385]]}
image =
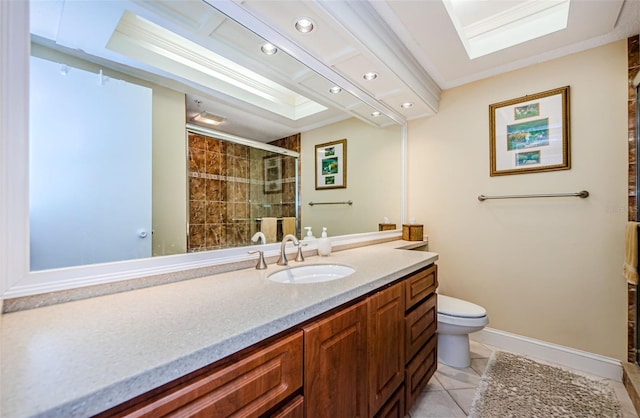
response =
{"points": [[299, 256], [261, 263]]}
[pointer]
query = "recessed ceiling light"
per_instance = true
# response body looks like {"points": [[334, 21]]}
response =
{"points": [[370, 76], [376, 113], [406, 105], [268, 49], [304, 25], [335, 89]]}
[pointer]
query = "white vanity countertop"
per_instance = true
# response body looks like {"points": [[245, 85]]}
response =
{"points": [[80, 358]]}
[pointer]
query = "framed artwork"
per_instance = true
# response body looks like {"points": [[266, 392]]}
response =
{"points": [[530, 134], [272, 174], [331, 165]]}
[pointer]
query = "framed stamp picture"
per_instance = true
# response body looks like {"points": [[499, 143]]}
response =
{"points": [[272, 174], [530, 134], [331, 165]]}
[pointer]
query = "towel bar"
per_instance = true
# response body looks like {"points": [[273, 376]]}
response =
{"points": [[348, 202], [582, 194]]}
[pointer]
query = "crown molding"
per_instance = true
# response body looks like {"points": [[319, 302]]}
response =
{"points": [[361, 20]]}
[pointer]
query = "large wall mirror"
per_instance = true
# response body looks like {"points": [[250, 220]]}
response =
{"points": [[180, 103]]}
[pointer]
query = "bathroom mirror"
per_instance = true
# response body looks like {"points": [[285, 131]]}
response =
{"points": [[375, 143]]}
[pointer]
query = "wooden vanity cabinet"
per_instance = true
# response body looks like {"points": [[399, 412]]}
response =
{"points": [[370, 358], [400, 348]]}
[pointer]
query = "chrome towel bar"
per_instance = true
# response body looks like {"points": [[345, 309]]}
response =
{"points": [[348, 202], [582, 194]]}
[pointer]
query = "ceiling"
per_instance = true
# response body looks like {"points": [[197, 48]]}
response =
{"points": [[415, 48], [412, 45]]}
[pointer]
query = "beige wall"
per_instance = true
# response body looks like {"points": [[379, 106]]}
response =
{"points": [[373, 179], [548, 269], [169, 190]]}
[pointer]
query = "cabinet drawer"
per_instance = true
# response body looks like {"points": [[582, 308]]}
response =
{"points": [[394, 408], [420, 285], [248, 388], [293, 409], [420, 325], [419, 371]]}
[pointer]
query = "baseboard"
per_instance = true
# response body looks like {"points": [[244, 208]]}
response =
{"points": [[595, 364]]}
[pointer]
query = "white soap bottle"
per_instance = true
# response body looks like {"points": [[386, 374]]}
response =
{"points": [[324, 244], [309, 235]]}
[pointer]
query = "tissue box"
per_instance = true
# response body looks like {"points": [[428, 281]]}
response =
{"points": [[412, 232], [386, 227]]}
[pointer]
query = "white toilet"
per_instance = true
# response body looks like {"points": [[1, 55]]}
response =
{"points": [[456, 319]]}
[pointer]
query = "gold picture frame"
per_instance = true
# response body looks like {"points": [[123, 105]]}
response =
{"points": [[331, 165], [530, 134]]}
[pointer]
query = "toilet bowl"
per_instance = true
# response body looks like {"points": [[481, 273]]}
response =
{"points": [[456, 319]]}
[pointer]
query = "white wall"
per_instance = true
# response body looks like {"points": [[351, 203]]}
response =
{"points": [[169, 184], [373, 179], [550, 268]]}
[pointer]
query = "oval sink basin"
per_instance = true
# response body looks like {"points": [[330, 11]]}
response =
{"points": [[315, 273]]}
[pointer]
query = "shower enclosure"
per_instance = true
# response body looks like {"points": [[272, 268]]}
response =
{"points": [[233, 185]]}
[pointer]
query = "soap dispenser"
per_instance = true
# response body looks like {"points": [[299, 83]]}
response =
{"points": [[324, 244], [309, 235]]}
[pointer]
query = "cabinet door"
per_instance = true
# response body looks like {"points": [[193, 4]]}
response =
{"points": [[420, 285], [386, 337], [335, 363]]}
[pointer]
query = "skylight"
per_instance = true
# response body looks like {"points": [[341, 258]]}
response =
{"points": [[145, 41], [489, 26]]}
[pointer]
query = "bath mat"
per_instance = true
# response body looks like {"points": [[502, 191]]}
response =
{"points": [[515, 386]]}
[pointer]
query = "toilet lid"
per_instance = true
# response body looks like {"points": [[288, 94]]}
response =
{"points": [[460, 308]]}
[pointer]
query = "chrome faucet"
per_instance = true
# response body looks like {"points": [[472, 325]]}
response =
{"points": [[259, 236], [282, 261]]}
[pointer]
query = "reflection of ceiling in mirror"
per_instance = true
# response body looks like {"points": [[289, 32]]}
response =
{"points": [[281, 97], [140, 39]]}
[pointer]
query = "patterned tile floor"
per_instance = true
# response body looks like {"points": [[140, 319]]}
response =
{"points": [[450, 392]]}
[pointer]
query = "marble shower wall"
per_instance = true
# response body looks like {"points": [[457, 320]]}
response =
{"points": [[633, 51], [227, 192]]}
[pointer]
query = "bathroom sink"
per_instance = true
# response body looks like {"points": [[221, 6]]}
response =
{"points": [[313, 273]]}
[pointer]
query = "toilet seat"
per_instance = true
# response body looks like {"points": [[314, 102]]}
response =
{"points": [[454, 311], [459, 308]]}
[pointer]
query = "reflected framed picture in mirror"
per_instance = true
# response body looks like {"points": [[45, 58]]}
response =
{"points": [[272, 174], [331, 165]]}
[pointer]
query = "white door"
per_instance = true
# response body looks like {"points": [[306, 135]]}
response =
{"points": [[90, 168]]}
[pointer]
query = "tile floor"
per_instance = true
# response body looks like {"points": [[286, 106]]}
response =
{"points": [[450, 392]]}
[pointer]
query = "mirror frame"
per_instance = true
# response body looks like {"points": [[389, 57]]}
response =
{"points": [[16, 280]]}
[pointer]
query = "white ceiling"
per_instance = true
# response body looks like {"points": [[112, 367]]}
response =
{"points": [[414, 46]]}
